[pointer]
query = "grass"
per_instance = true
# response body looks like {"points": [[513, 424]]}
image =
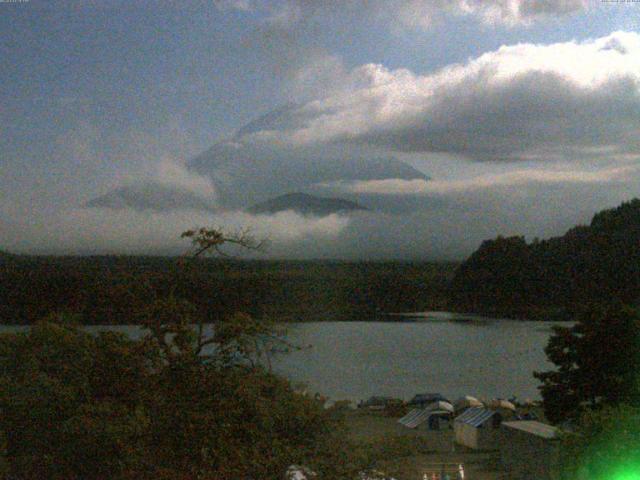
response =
{"points": [[407, 454]]}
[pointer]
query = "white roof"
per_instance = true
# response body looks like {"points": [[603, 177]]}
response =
{"points": [[440, 405], [467, 401], [501, 403], [532, 427], [475, 416], [415, 417]]}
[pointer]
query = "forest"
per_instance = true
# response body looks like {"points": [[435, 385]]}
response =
{"points": [[111, 289], [508, 277], [553, 279]]}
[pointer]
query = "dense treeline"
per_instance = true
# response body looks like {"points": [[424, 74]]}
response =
{"points": [[552, 279], [109, 289]]}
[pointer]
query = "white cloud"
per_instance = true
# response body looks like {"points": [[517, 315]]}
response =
{"points": [[173, 173], [410, 13], [97, 230], [517, 102], [242, 5], [397, 186]]}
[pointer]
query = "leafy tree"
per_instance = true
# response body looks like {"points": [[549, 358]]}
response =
{"points": [[71, 402], [180, 403], [597, 360], [605, 446], [553, 278]]}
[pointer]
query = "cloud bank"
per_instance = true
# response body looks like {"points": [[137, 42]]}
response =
{"points": [[517, 178], [409, 13], [519, 102]]}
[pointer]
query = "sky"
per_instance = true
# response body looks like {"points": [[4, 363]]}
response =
{"points": [[520, 117]]}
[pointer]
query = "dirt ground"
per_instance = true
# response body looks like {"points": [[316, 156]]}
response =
{"points": [[432, 449]]}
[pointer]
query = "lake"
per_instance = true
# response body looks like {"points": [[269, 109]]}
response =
{"points": [[434, 352]]}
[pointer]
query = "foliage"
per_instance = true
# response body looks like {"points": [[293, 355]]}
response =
{"points": [[550, 279], [78, 406], [606, 446], [177, 404], [597, 359], [70, 402], [109, 290]]}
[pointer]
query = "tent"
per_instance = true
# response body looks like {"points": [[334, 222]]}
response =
{"points": [[467, 402], [499, 403], [440, 406]]}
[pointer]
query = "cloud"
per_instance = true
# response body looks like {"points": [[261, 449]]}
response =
{"points": [[518, 102], [171, 172], [409, 13], [242, 5], [105, 230], [449, 224], [518, 178]]}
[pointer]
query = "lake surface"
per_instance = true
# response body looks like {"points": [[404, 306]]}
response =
{"points": [[435, 352]]}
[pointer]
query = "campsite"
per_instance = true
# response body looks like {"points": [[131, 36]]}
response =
{"points": [[473, 438]]}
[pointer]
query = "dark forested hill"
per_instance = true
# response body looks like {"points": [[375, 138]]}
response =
{"points": [[110, 289], [552, 278]]}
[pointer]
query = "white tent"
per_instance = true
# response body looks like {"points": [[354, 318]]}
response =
{"points": [[467, 402], [440, 407], [500, 403]]}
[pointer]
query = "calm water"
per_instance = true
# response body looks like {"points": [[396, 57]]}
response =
{"points": [[354, 360]]}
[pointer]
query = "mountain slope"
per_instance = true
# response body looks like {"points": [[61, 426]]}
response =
{"points": [[151, 196], [595, 263], [247, 168], [244, 174], [305, 204]]}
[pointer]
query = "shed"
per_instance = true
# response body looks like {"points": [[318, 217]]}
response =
{"points": [[414, 418], [431, 416], [524, 441], [477, 428]]}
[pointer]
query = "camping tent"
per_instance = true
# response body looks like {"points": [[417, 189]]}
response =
{"points": [[467, 402]]}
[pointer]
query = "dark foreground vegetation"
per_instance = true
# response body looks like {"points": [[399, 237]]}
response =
{"points": [[176, 404], [552, 279], [593, 394], [76, 406], [107, 289]]}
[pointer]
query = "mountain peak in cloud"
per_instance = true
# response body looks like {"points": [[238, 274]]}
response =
{"points": [[249, 168], [306, 204], [151, 196]]}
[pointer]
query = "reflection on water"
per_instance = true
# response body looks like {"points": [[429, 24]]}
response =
{"points": [[482, 357], [434, 352]]}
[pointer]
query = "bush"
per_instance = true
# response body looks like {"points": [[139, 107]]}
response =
{"points": [[79, 406]]}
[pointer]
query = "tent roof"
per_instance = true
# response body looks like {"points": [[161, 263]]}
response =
{"points": [[501, 403], [532, 427], [475, 416], [440, 405], [415, 417], [468, 401]]}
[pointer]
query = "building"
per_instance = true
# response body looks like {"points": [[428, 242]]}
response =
{"points": [[436, 415], [529, 449], [478, 428]]}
